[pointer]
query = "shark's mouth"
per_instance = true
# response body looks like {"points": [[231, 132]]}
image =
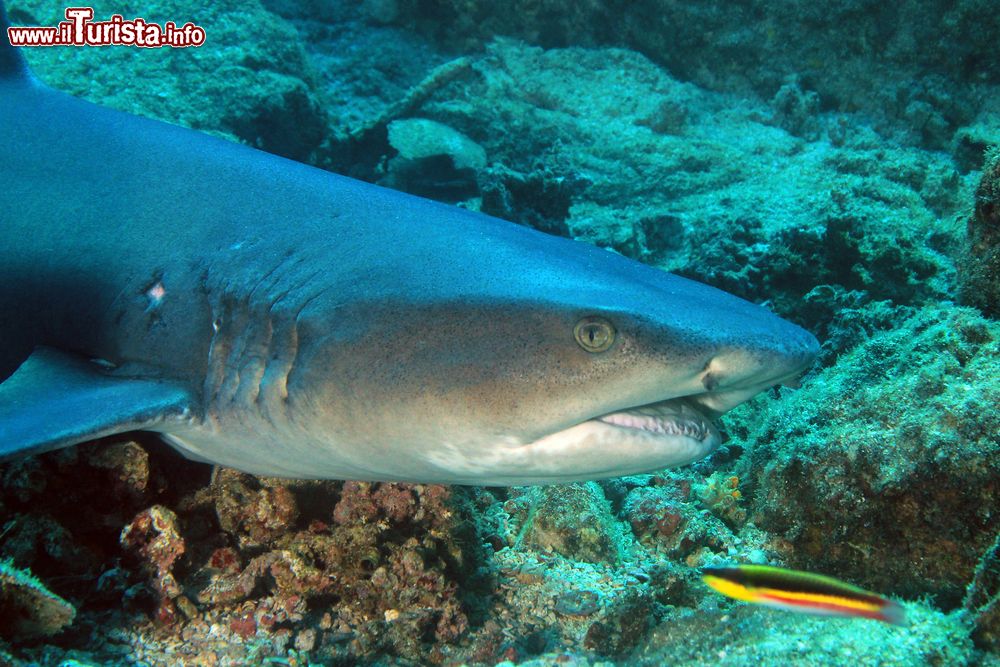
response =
{"points": [[628, 441], [674, 417]]}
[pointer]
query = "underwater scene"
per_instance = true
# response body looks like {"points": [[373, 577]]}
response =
{"points": [[406, 433]]}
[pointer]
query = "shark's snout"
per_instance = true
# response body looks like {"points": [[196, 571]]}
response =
{"points": [[740, 371]]}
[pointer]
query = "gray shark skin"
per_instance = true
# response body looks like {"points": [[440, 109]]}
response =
{"points": [[275, 318]]}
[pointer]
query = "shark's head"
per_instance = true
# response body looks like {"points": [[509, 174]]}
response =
{"points": [[583, 370]]}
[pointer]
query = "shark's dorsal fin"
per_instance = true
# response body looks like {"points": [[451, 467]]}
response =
{"points": [[12, 65], [56, 400]]}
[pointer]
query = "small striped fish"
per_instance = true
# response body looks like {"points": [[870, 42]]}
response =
{"points": [[801, 591]]}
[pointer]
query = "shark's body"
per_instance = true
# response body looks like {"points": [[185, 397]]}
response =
{"points": [[272, 317]]}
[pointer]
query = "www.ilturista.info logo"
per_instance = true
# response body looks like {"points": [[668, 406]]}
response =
{"points": [[79, 29]]}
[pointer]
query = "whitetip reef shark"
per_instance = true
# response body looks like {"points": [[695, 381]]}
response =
{"points": [[285, 321]]}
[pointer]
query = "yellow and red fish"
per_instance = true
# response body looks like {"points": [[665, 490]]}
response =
{"points": [[801, 591]]}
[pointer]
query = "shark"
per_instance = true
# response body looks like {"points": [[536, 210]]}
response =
{"points": [[272, 317]]}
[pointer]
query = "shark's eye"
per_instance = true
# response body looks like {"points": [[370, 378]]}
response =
{"points": [[594, 334]]}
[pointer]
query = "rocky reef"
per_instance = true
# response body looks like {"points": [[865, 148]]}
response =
{"points": [[982, 599], [892, 456], [258, 90], [738, 144]]}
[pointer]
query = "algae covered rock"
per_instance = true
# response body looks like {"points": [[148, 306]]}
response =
{"points": [[606, 147], [419, 138], [433, 160], [981, 263], [982, 599], [921, 69], [27, 608], [885, 469]]}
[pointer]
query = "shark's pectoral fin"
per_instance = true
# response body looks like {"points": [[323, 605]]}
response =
{"points": [[56, 400]]}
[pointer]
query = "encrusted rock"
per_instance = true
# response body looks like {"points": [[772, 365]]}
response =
{"points": [[253, 513], [129, 465], [27, 608], [434, 160], [573, 520], [419, 138], [156, 537], [982, 599]]}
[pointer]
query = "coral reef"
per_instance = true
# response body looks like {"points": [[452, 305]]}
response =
{"points": [[250, 569], [378, 572], [330, 570]]}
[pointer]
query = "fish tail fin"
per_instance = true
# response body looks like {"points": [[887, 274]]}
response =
{"points": [[893, 612]]}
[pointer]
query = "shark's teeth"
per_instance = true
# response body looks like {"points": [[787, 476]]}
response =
{"points": [[660, 424]]}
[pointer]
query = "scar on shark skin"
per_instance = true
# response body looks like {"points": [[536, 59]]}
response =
{"points": [[155, 295]]}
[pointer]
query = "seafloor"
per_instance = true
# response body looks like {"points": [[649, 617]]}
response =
{"points": [[829, 159]]}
